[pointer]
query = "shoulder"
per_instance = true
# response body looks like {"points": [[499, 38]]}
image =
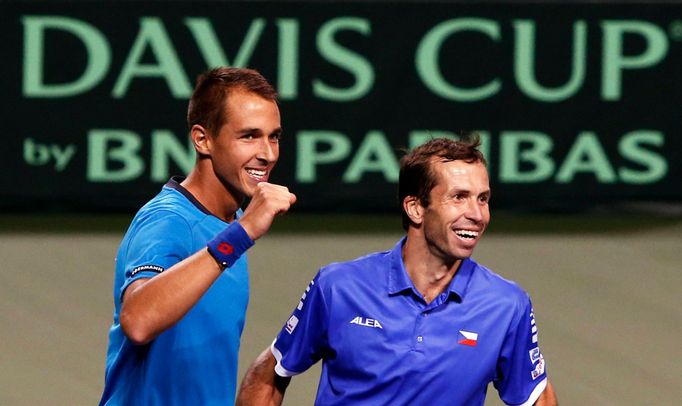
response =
{"points": [[364, 269], [170, 207], [493, 287], [169, 200], [165, 214]]}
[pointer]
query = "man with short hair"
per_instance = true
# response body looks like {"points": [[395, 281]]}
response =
{"points": [[423, 323], [181, 281]]}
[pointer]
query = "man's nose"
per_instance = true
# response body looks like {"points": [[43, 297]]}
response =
{"points": [[268, 151], [474, 210]]}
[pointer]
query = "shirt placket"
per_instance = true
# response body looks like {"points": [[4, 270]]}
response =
{"points": [[421, 322]]}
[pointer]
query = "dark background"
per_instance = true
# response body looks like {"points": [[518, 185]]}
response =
{"points": [[397, 103]]}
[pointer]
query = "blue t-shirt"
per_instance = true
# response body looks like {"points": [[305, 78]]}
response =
{"points": [[195, 361], [381, 344]]}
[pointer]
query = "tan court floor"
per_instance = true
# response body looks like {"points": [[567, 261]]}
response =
{"points": [[608, 307]]}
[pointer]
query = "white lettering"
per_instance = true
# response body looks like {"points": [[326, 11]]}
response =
{"points": [[360, 321]]}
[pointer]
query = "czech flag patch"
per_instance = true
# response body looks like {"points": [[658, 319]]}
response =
{"points": [[468, 338]]}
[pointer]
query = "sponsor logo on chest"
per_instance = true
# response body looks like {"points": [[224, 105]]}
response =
{"points": [[366, 322]]}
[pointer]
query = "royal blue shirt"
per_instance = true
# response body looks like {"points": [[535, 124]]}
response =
{"points": [[195, 361], [382, 344]]}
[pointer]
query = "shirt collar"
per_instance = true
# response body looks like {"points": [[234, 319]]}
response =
{"points": [[175, 183], [460, 283], [399, 280]]}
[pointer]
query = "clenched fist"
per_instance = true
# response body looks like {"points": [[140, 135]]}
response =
{"points": [[268, 201]]}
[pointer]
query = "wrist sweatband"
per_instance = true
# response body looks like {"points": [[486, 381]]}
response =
{"points": [[229, 245]]}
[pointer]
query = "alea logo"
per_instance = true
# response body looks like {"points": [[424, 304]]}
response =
{"points": [[366, 322]]}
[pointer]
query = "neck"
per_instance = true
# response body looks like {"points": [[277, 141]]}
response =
{"points": [[207, 189], [430, 273]]}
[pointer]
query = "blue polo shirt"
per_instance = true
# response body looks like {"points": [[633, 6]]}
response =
{"points": [[382, 344], [195, 361]]}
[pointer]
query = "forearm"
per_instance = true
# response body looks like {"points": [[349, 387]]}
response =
{"points": [[547, 397], [261, 386], [153, 305]]}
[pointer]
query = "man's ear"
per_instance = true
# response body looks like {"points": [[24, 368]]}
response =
{"points": [[413, 209], [201, 140]]}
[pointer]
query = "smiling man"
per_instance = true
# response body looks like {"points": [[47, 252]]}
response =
{"points": [[181, 282], [422, 323]]}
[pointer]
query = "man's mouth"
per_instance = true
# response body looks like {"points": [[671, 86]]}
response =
{"points": [[467, 234], [257, 174]]}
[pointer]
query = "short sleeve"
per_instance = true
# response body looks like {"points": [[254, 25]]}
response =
{"points": [[303, 339], [521, 366], [160, 242]]}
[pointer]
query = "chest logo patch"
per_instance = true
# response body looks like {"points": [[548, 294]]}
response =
{"points": [[365, 322], [468, 338]]}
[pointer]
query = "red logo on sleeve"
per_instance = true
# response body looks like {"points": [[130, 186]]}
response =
{"points": [[225, 248]]}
